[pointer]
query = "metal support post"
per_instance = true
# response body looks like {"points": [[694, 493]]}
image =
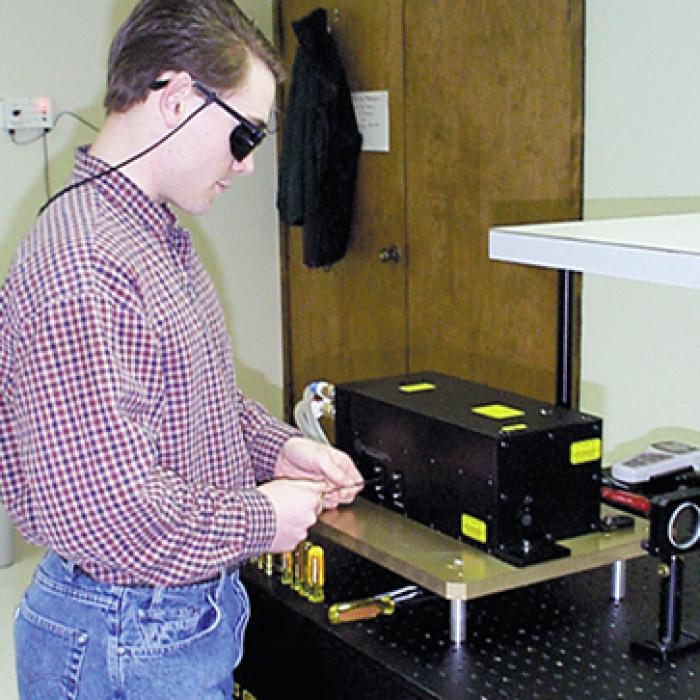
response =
{"points": [[565, 338], [617, 592], [458, 621]]}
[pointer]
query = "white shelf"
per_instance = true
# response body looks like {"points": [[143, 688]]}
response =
{"points": [[663, 249]]}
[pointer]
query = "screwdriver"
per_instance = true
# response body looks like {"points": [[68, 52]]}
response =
{"points": [[287, 568], [369, 608], [364, 482], [315, 573]]}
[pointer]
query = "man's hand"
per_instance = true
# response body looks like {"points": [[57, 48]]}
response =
{"points": [[297, 504], [302, 458]]}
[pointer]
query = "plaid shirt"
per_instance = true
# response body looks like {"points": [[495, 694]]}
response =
{"points": [[125, 443]]}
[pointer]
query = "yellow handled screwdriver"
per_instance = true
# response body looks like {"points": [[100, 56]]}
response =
{"points": [[369, 608]]}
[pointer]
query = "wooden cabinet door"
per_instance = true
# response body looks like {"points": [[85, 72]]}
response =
{"points": [[349, 321], [486, 101], [494, 99]]}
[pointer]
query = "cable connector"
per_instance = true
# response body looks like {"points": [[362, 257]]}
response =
{"points": [[318, 401]]}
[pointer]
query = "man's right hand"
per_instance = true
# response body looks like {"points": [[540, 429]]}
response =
{"points": [[297, 505]]}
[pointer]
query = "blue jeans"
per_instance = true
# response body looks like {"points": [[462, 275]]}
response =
{"points": [[80, 639]]}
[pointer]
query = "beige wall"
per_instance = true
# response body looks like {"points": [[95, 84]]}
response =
{"points": [[641, 342], [59, 49]]}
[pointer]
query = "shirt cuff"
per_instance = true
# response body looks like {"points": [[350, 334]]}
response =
{"points": [[261, 523], [267, 447]]}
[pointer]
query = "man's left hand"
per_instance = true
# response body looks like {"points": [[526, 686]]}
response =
{"points": [[303, 458]]}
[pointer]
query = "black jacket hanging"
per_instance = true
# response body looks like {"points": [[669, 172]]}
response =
{"points": [[320, 146]]}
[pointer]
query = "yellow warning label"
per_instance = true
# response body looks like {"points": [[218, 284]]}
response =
{"points": [[514, 426], [474, 528], [498, 411], [416, 388], [585, 451]]}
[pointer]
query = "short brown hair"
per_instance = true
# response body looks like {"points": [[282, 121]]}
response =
{"points": [[212, 40]]}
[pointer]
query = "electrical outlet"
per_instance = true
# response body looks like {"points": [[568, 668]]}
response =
{"points": [[28, 113]]}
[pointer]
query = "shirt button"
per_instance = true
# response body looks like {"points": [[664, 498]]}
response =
{"points": [[121, 651], [82, 639]]}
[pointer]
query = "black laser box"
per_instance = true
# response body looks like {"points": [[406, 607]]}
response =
{"points": [[509, 474]]}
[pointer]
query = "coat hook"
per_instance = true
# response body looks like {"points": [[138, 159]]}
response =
{"points": [[334, 20]]}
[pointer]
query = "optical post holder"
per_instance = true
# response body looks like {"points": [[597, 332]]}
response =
{"points": [[674, 530]]}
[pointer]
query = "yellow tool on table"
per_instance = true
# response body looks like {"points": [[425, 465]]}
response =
{"points": [[369, 608]]}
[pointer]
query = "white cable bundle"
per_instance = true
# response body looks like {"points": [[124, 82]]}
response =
{"points": [[317, 400]]}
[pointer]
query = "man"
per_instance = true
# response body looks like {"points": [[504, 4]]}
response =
{"points": [[126, 447]]}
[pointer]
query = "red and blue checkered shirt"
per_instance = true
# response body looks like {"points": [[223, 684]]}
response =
{"points": [[125, 443]]}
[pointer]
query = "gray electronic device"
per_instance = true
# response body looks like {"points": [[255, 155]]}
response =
{"points": [[659, 459]]}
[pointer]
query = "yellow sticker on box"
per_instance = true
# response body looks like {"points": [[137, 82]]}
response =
{"points": [[584, 451], [474, 528], [498, 411], [417, 388], [514, 426]]}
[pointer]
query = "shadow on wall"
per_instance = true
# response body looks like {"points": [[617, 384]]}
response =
{"points": [[594, 402], [254, 383]]}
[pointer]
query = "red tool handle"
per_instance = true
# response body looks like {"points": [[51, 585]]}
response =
{"points": [[635, 501]]}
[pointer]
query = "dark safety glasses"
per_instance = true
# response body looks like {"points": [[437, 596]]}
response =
{"points": [[244, 137]]}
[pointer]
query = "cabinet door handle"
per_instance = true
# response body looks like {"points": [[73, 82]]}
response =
{"points": [[390, 254]]}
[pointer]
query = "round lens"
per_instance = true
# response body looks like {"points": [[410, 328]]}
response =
{"points": [[684, 526]]}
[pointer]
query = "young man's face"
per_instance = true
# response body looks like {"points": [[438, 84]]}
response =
{"points": [[200, 165]]}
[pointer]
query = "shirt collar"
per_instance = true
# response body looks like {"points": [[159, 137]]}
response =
{"points": [[128, 197]]}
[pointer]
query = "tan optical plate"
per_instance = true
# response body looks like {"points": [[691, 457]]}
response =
{"points": [[457, 571]]}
